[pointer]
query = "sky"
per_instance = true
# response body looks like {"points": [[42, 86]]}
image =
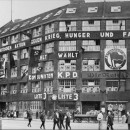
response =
{"points": [[23, 9]]}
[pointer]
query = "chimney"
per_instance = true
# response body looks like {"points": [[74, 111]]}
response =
{"points": [[77, 1]]}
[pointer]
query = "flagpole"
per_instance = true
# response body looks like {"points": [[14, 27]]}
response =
{"points": [[11, 10]]}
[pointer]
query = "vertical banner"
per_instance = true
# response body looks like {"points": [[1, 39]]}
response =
{"points": [[115, 59], [2, 67]]}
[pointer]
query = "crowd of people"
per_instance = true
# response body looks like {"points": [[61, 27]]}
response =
{"points": [[10, 113]]}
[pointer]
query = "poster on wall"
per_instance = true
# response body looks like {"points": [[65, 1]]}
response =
{"points": [[115, 59]]}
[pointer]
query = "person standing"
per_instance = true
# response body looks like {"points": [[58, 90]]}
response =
{"points": [[128, 120], [110, 121], [29, 118], [42, 118], [68, 116], [61, 119], [56, 120], [100, 119]]}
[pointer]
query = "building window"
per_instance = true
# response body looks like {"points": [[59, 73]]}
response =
{"points": [[35, 105], [67, 65], [113, 85], [49, 28], [116, 43], [67, 45], [25, 37], [90, 86], [36, 86], [15, 55], [115, 25], [13, 72], [3, 89], [13, 88], [25, 23], [39, 47], [5, 41], [49, 66], [67, 85], [24, 53], [37, 31], [48, 88], [67, 26], [91, 45], [23, 88], [49, 47], [24, 71], [15, 27], [91, 25], [14, 38], [91, 65]]}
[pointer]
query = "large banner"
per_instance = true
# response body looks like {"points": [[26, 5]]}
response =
{"points": [[2, 67], [115, 59]]}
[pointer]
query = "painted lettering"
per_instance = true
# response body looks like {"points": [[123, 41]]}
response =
{"points": [[7, 48], [22, 44], [52, 36], [37, 40], [106, 34]]}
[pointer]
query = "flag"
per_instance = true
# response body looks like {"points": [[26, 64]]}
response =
{"points": [[25, 73], [82, 50], [39, 69], [27, 34], [34, 57], [12, 61], [2, 67]]}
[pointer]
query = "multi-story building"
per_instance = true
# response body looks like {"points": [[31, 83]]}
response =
{"points": [[84, 62]]}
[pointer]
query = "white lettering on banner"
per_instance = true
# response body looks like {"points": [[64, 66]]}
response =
{"points": [[77, 35], [106, 34], [19, 45], [40, 96], [52, 36], [126, 34], [69, 96], [76, 96], [37, 40], [40, 76], [67, 75], [68, 54], [7, 48], [43, 57]]}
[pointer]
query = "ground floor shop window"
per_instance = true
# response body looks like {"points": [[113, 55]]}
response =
{"points": [[89, 106]]}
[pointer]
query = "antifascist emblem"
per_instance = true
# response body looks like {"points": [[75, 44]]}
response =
{"points": [[115, 58]]}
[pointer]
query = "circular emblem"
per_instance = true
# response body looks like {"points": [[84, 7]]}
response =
{"points": [[54, 97], [115, 58]]}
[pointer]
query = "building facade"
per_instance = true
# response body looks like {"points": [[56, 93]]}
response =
{"points": [[83, 63]]}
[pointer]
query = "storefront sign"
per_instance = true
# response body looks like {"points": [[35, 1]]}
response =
{"points": [[41, 76], [7, 48], [104, 75], [43, 57], [62, 75], [40, 96], [115, 58], [37, 40], [62, 55], [69, 96]]}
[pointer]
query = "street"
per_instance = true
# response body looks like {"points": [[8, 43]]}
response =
{"points": [[22, 124]]}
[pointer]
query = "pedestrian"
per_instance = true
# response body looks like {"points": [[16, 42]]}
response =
{"points": [[36, 114], [25, 114], [42, 118], [110, 121], [68, 116], [100, 119], [15, 114], [61, 119], [29, 118], [128, 120], [56, 119]]}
